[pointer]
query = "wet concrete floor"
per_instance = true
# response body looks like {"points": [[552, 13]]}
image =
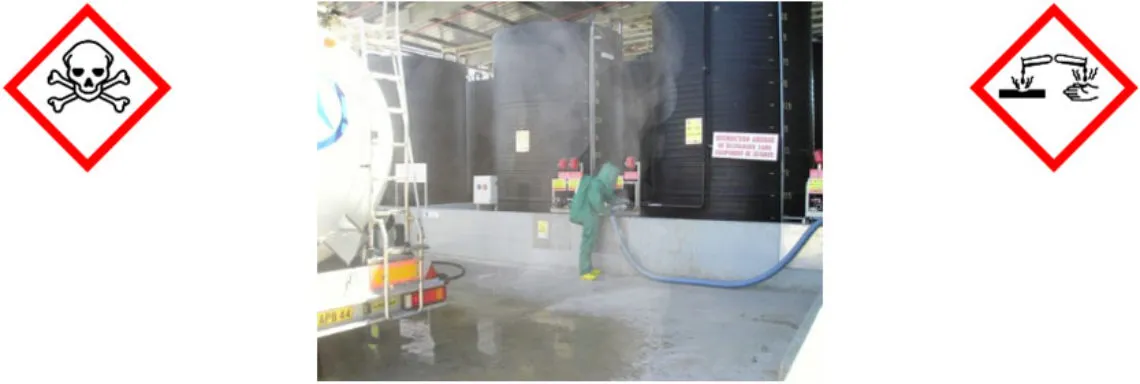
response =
{"points": [[505, 323]]}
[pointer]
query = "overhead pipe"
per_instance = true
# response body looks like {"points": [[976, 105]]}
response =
{"points": [[457, 15]]}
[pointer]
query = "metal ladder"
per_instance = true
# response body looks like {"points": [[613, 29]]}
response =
{"points": [[391, 44]]}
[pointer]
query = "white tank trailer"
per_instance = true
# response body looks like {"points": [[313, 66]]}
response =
{"points": [[354, 151], [349, 110]]}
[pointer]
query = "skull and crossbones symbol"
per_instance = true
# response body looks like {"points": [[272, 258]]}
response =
{"points": [[88, 68]]}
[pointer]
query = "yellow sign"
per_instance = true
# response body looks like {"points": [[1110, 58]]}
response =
{"points": [[558, 184], [543, 229], [620, 182], [815, 185], [377, 306], [335, 316], [574, 184], [694, 131], [522, 141]]}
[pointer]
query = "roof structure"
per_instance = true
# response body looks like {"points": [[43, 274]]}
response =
{"points": [[462, 31]]}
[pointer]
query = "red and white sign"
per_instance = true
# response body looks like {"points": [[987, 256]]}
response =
{"points": [[87, 87], [1053, 87], [746, 146]]}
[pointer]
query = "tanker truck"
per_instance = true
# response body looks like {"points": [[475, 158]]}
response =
{"points": [[374, 279]]}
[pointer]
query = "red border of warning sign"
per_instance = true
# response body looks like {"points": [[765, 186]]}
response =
{"points": [[1052, 13], [88, 13]]}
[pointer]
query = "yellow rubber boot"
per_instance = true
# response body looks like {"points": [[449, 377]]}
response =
{"points": [[592, 275]]}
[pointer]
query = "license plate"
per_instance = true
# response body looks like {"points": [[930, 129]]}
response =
{"points": [[334, 316]]}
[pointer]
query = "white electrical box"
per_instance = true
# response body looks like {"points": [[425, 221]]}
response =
{"points": [[486, 191], [418, 174]]}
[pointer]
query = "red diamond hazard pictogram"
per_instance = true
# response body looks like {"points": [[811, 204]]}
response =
{"points": [[87, 86], [1029, 101]]}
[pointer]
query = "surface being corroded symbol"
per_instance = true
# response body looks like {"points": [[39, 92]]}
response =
{"points": [[88, 66]]}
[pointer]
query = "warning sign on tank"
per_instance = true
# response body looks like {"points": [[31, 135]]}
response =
{"points": [[746, 146], [522, 141], [543, 229], [693, 131]]}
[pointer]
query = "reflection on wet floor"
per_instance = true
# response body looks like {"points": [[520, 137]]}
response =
{"points": [[452, 343], [513, 324]]}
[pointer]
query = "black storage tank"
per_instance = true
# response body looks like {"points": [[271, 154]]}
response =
{"points": [[437, 112], [641, 109], [721, 61], [542, 104], [480, 127]]}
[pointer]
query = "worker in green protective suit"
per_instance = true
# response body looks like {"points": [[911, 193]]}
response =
{"points": [[587, 208]]}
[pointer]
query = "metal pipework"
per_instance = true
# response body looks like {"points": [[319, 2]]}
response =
{"points": [[592, 120], [783, 105], [637, 189], [1075, 61]]}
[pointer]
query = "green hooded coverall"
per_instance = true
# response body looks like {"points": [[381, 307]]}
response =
{"points": [[587, 208]]}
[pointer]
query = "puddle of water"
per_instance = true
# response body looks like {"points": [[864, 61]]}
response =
{"points": [[501, 339]]}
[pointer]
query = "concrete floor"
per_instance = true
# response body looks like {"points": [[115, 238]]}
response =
{"points": [[506, 323]]}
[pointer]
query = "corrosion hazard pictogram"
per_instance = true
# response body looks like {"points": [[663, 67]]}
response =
{"points": [[1053, 87], [87, 87]]}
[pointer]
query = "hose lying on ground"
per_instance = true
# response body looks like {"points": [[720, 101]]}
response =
{"points": [[448, 278], [715, 283]]}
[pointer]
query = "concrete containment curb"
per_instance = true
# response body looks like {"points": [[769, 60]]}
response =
{"points": [[798, 340]]}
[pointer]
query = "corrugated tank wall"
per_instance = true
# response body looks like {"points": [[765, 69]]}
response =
{"points": [[727, 81], [437, 112], [480, 127], [541, 106]]}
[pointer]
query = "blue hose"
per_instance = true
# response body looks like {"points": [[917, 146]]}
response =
{"points": [[795, 251]]}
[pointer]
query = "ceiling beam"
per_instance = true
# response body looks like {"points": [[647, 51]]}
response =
{"points": [[429, 38], [540, 9], [592, 9], [598, 4], [418, 46], [373, 13], [490, 15], [352, 9], [460, 28]]}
